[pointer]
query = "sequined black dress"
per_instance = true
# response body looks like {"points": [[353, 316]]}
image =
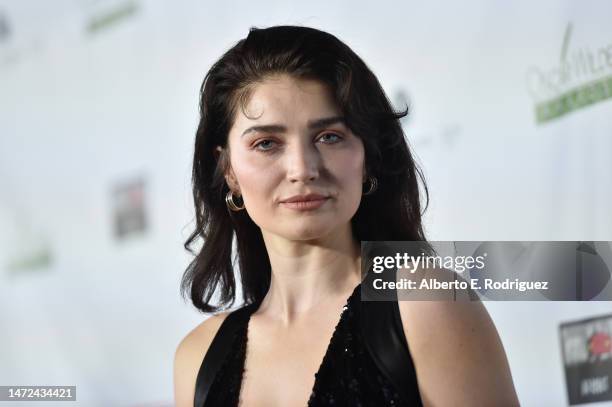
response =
{"points": [[347, 376]]}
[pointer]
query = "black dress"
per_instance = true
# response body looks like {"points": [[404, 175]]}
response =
{"points": [[347, 376]]}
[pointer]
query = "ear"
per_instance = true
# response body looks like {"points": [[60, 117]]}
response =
{"points": [[230, 177], [217, 152]]}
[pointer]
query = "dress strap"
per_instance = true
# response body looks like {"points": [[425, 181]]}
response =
{"points": [[384, 337], [218, 351]]}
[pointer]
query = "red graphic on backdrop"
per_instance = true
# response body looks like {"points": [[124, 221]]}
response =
{"points": [[600, 343]]}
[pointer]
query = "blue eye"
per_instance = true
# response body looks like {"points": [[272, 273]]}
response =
{"points": [[261, 146], [266, 145], [335, 138]]}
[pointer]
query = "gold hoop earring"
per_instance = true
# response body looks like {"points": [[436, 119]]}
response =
{"points": [[229, 201], [373, 185]]}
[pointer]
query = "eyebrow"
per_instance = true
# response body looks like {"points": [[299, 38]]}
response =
{"points": [[279, 128]]}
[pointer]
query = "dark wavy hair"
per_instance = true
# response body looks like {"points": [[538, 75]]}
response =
{"points": [[392, 212]]}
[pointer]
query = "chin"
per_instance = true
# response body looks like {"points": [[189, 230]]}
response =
{"points": [[306, 234], [310, 230]]}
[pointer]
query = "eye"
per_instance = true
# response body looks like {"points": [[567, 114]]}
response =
{"points": [[264, 145], [330, 140]]}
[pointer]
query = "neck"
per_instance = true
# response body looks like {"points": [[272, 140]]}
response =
{"points": [[309, 274]]}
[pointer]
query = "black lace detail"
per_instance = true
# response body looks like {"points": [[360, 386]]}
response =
{"points": [[347, 376]]}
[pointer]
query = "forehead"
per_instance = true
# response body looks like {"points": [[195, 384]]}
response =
{"points": [[286, 100]]}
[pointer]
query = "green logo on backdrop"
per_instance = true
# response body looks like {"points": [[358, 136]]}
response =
{"points": [[582, 78]]}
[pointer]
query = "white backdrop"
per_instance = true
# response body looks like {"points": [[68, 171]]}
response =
{"points": [[84, 109]]}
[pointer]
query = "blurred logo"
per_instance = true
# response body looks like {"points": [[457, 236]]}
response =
{"points": [[587, 357], [5, 28], [129, 209], [109, 13], [583, 77], [600, 345]]}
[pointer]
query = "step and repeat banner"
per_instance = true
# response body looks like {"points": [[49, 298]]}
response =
{"points": [[510, 119]]}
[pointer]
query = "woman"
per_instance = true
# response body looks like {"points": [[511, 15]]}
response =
{"points": [[300, 155]]}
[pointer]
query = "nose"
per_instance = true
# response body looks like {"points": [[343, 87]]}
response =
{"points": [[303, 163]]}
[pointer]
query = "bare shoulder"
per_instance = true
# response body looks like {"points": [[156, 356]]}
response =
{"points": [[189, 356], [458, 355]]}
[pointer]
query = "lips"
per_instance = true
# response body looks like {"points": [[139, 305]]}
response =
{"points": [[304, 198], [307, 202]]}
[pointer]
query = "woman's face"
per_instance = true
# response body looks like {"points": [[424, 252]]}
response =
{"points": [[292, 142]]}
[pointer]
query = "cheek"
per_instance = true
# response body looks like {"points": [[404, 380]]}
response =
{"points": [[250, 171], [349, 168], [256, 182]]}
